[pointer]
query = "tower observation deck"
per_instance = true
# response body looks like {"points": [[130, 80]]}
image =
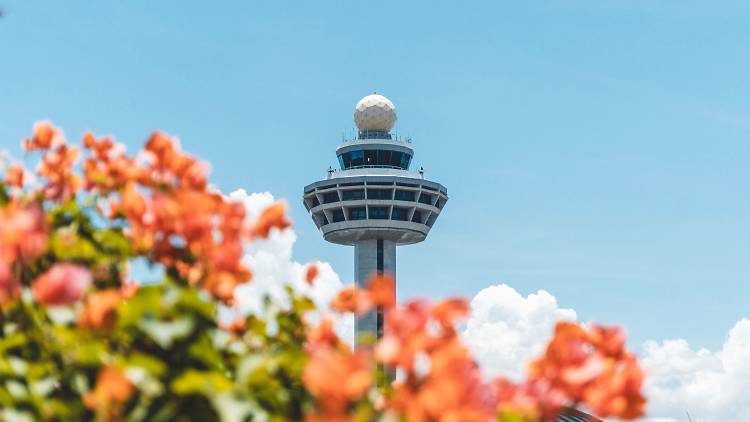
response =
{"points": [[374, 202]]}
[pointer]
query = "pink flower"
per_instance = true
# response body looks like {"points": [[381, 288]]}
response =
{"points": [[62, 284], [23, 232]]}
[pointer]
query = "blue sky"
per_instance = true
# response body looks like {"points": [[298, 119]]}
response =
{"points": [[595, 149]]}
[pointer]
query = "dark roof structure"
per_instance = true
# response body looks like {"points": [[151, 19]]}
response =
{"points": [[572, 415]]}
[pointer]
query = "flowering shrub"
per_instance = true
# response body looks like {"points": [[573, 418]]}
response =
{"points": [[81, 340]]}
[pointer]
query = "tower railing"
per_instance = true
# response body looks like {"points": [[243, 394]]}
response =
{"points": [[374, 135]]}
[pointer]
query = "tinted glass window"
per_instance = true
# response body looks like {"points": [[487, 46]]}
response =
{"points": [[338, 215], [371, 157], [357, 214], [417, 217], [405, 195], [379, 193], [405, 159], [399, 214], [380, 213], [425, 198], [358, 158], [315, 201], [395, 159], [353, 195], [330, 197], [385, 158]]}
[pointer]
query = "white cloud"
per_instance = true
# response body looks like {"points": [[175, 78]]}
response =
{"points": [[273, 268], [710, 386], [505, 329]]}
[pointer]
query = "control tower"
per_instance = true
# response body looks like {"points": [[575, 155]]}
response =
{"points": [[374, 202]]}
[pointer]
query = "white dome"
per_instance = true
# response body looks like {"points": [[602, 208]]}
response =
{"points": [[375, 113]]}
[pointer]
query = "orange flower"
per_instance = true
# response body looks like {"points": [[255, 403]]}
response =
{"points": [[45, 136], [237, 327], [382, 289], [352, 299], [323, 335], [337, 377], [448, 311], [112, 390], [173, 217], [57, 161], [618, 392], [311, 273], [609, 340], [101, 310], [531, 400], [109, 168], [591, 366], [272, 217], [14, 176], [62, 284], [56, 167]]}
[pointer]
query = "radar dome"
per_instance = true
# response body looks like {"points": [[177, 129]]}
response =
{"points": [[375, 113]]}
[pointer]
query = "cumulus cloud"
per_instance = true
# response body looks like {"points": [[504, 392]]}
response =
{"points": [[711, 386], [273, 268], [505, 328]]}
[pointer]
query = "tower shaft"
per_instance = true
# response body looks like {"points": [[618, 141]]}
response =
{"points": [[372, 256]]}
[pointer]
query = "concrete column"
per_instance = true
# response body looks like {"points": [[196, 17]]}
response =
{"points": [[372, 256]]}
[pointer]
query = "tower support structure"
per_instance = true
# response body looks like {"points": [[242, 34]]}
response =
{"points": [[374, 202]]}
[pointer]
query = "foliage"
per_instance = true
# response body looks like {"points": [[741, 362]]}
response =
{"points": [[80, 340]]}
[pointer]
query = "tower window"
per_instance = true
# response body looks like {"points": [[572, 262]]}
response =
{"points": [[377, 158], [358, 158], [379, 194], [357, 213], [405, 195], [379, 213], [330, 197], [425, 198], [353, 195], [338, 215], [371, 157], [315, 201], [400, 214], [417, 217]]}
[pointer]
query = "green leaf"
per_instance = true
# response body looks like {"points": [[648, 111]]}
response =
{"points": [[164, 333], [204, 382], [67, 246], [152, 365], [203, 349], [113, 241], [145, 304], [510, 417], [12, 341], [191, 300]]}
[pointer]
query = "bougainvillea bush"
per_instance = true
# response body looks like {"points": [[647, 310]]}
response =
{"points": [[81, 340]]}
